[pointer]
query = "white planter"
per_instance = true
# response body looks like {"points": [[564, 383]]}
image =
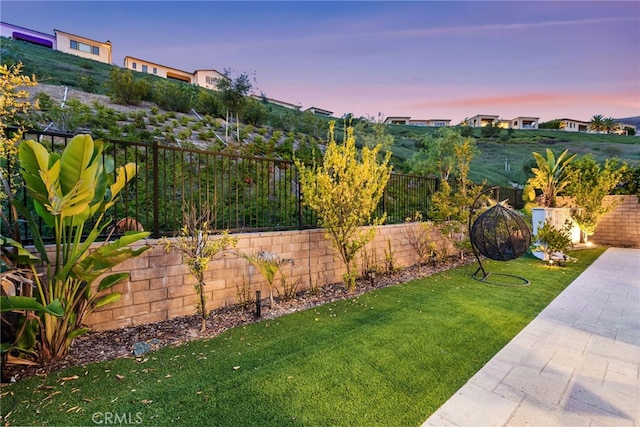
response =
{"points": [[557, 217]]}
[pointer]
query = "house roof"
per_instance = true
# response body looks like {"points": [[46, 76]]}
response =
{"points": [[81, 37], [25, 28], [155, 63], [319, 110], [574, 120], [275, 101]]}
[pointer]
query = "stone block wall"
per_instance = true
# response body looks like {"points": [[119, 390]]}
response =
{"points": [[620, 227], [160, 286]]}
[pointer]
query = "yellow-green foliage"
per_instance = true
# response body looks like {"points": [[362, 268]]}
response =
{"points": [[590, 183], [198, 245], [14, 100], [345, 191], [551, 176]]}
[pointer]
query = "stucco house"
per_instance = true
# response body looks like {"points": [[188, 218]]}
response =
{"points": [[61, 41], [571, 125], [523, 122], [319, 111], [148, 67], [481, 120], [20, 33], [289, 105], [397, 120], [437, 123], [520, 122], [207, 78], [83, 46]]}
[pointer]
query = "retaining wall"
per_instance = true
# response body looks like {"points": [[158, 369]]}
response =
{"points": [[620, 227], [160, 286]]}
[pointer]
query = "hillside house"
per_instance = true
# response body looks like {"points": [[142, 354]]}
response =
{"points": [[571, 125], [284, 104], [482, 120], [84, 47], [31, 36], [397, 120], [522, 122], [61, 41], [147, 67], [319, 111]]}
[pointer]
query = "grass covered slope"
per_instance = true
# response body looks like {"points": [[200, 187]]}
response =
{"points": [[389, 358]]}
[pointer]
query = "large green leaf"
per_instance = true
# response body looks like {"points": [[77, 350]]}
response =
{"points": [[34, 158], [107, 299], [108, 256], [112, 279], [76, 161], [77, 332], [20, 255], [34, 228], [12, 303]]}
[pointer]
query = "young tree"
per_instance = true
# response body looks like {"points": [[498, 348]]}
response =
{"points": [[14, 100], [198, 245], [345, 191], [438, 155], [234, 93], [589, 184], [450, 206], [269, 264], [373, 132]]}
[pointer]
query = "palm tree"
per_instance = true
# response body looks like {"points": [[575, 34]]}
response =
{"points": [[609, 125], [596, 123]]}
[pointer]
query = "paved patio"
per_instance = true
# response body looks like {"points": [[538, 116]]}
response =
{"points": [[576, 364]]}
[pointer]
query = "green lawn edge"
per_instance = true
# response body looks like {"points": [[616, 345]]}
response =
{"points": [[390, 357]]}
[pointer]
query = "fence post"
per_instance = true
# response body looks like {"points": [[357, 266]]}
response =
{"points": [[156, 202], [300, 207]]}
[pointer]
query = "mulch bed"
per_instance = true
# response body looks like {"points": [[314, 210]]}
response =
{"points": [[101, 346]]}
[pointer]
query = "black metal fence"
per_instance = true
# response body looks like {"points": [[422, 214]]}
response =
{"points": [[243, 193]]}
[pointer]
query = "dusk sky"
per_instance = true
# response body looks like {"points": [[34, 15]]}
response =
{"points": [[423, 59]]}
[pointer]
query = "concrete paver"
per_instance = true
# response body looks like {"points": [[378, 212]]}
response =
{"points": [[576, 364]]}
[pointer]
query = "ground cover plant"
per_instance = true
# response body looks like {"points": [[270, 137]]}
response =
{"points": [[389, 357]]}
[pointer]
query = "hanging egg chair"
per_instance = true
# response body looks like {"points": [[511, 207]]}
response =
{"points": [[500, 234]]}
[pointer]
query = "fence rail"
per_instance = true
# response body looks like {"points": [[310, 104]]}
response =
{"points": [[243, 193]]}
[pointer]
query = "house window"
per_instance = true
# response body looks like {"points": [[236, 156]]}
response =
{"points": [[83, 47], [144, 69], [155, 70], [134, 65]]}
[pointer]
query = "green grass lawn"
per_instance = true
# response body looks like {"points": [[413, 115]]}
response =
{"points": [[390, 357]]}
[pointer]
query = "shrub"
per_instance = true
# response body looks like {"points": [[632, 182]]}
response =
{"points": [[123, 88], [550, 240], [87, 83], [174, 96]]}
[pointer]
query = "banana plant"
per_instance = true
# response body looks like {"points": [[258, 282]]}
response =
{"points": [[551, 176], [72, 191], [20, 311]]}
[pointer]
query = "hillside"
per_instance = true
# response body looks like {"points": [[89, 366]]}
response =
{"points": [[283, 131]]}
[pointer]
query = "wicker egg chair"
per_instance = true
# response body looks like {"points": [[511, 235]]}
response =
{"points": [[500, 234]]}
